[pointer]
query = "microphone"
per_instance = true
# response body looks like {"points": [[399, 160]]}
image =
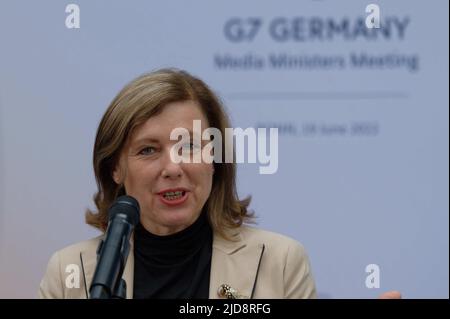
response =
{"points": [[112, 252]]}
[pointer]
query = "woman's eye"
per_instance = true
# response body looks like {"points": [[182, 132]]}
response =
{"points": [[147, 151]]}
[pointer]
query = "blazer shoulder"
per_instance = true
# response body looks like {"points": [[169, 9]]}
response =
{"points": [[284, 256], [73, 251], [257, 235], [53, 283]]}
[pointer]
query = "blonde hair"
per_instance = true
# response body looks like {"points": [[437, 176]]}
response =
{"points": [[141, 99]]}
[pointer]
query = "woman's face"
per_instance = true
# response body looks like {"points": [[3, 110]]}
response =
{"points": [[171, 195]]}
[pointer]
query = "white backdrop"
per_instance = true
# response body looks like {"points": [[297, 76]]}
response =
{"points": [[362, 116]]}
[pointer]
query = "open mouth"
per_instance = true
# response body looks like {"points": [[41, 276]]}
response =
{"points": [[173, 195]]}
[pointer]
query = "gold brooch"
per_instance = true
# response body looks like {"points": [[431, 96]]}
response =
{"points": [[228, 292]]}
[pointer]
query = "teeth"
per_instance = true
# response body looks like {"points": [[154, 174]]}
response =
{"points": [[173, 195]]}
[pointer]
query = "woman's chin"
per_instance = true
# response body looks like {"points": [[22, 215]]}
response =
{"points": [[179, 219]]}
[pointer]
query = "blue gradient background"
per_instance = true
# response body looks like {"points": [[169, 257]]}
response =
{"points": [[351, 200]]}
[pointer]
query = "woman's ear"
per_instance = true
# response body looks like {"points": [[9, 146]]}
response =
{"points": [[118, 175]]}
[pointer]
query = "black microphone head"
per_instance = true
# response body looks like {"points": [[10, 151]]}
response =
{"points": [[127, 206]]}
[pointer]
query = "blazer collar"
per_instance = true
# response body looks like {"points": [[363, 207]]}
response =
{"points": [[229, 246]]}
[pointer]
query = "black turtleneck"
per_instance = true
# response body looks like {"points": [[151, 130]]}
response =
{"points": [[173, 266]]}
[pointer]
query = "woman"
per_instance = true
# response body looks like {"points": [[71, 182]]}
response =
{"points": [[191, 241]]}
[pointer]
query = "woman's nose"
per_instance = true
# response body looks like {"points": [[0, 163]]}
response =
{"points": [[170, 169]]}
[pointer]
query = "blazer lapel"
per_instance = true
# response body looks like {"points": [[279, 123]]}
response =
{"points": [[88, 259], [128, 272], [234, 266]]}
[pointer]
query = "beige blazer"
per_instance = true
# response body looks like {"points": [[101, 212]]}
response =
{"points": [[257, 264]]}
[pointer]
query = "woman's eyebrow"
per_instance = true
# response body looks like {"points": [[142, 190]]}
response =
{"points": [[144, 140]]}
